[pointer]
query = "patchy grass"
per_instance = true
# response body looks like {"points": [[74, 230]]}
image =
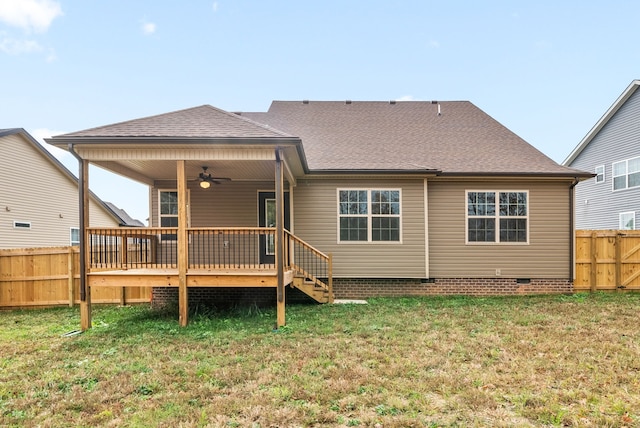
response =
{"points": [[456, 361]]}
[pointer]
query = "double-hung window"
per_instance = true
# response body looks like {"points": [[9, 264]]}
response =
{"points": [[626, 174], [168, 201], [369, 215], [497, 217]]}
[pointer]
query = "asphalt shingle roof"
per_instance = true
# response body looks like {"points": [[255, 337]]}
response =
{"points": [[410, 135], [198, 122], [359, 135]]}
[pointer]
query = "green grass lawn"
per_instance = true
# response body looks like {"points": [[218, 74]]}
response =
{"points": [[454, 361]]}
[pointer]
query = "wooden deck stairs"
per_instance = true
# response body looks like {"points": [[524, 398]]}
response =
{"points": [[313, 270], [316, 289]]}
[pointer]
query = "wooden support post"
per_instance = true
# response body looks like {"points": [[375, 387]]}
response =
{"points": [[330, 275], [85, 289], [124, 250], [183, 296], [618, 277], [281, 320], [594, 262]]}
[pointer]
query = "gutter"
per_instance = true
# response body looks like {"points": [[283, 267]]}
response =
{"points": [[83, 244]]}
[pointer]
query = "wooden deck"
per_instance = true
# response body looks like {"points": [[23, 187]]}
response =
{"points": [[195, 278]]}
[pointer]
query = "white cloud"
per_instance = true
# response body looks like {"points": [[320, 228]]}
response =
{"points": [[17, 47], [215, 6], [406, 98], [51, 57], [434, 44], [148, 28], [30, 15]]}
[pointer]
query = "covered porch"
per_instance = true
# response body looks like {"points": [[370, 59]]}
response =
{"points": [[210, 223]]}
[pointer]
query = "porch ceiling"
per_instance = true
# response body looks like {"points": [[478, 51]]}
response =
{"points": [[148, 171]]}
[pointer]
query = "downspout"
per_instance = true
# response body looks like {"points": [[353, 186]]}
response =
{"points": [[83, 261], [572, 237]]}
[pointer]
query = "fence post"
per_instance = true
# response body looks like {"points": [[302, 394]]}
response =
{"points": [[594, 262], [618, 278], [71, 272]]}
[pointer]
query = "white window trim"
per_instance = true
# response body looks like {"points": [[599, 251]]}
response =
{"points": [[626, 175], [27, 225], [598, 175], [160, 209], [369, 215], [632, 214], [71, 241], [497, 217]]}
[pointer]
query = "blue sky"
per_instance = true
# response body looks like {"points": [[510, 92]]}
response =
{"points": [[548, 70]]}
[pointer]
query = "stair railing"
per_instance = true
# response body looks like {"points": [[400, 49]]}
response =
{"points": [[311, 263]]}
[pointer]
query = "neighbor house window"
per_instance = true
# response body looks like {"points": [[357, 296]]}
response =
{"points": [[600, 174], [626, 174], [627, 221], [370, 215], [75, 236], [22, 225], [498, 217], [168, 200]]}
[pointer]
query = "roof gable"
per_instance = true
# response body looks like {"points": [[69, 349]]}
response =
{"points": [[622, 99], [198, 122]]}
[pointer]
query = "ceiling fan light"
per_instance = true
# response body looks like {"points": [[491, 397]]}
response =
{"points": [[205, 184]]}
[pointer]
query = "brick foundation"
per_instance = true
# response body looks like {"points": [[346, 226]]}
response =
{"points": [[363, 288]]}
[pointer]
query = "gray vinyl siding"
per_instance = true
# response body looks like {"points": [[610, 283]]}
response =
{"points": [[232, 204], [50, 203], [316, 222], [546, 256], [597, 205]]}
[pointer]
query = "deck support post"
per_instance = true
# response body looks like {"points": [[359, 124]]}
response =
{"points": [[183, 296], [279, 178], [85, 290]]}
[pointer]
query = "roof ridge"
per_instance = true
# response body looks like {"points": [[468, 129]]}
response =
{"points": [[197, 110], [246, 119], [135, 120]]}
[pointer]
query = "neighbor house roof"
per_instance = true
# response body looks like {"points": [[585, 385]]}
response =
{"points": [[631, 89], [125, 219], [455, 137], [63, 169]]}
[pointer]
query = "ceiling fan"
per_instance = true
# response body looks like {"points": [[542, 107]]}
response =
{"points": [[205, 179]]}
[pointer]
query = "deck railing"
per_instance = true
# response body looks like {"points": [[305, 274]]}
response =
{"points": [[247, 248], [208, 248], [232, 248], [132, 248]]}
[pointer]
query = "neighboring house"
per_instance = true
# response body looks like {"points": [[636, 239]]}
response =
{"points": [[408, 198], [39, 196], [611, 151], [125, 219]]}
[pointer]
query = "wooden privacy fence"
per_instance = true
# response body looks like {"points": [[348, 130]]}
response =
{"points": [[607, 260], [50, 276]]}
